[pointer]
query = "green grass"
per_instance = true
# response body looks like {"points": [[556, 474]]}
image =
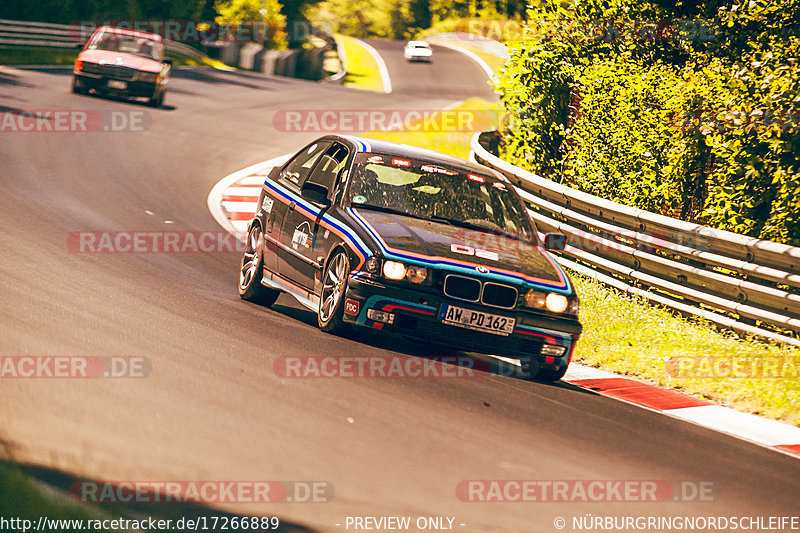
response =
{"points": [[37, 55], [362, 69], [626, 335], [21, 497], [449, 142], [42, 55]]}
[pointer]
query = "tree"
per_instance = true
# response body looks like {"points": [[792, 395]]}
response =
{"points": [[263, 15]]}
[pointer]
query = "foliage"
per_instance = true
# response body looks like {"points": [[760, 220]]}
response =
{"points": [[234, 12], [402, 19], [702, 126], [75, 11]]}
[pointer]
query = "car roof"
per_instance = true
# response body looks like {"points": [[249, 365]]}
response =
{"points": [[417, 43], [367, 145], [126, 31]]}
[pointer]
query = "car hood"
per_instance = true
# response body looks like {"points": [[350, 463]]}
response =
{"points": [[457, 247], [117, 58]]}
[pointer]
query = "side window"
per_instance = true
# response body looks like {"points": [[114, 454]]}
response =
{"points": [[329, 167], [296, 171]]}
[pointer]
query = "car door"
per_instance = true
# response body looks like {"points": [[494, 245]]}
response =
{"points": [[306, 243], [280, 204]]}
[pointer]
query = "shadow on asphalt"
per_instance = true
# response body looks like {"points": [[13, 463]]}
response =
{"points": [[394, 342], [58, 488], [6, 78]]}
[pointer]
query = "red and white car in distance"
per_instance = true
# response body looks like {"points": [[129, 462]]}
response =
{"points": [[123, 62]]}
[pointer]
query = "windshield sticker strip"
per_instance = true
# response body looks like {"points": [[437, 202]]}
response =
{"points": [[499, 272]]}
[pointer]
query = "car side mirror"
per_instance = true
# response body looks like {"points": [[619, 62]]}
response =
{"points": [[314, 192], [555, 242], [79, 45]]}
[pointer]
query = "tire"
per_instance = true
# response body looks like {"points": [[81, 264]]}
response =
{"points": [[251, 271], [76, 88], [549, 375], [330, 315], [158, 99]]}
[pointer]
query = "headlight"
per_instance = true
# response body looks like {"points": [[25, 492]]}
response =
{"points": [[416, 274], [372, 266], [556, 303], [148, 76], [397, 271], [574, 306], [535, 299], [553, 302], [394, 270]]}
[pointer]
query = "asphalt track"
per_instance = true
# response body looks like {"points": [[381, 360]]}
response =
{"points": [[212, 408]]}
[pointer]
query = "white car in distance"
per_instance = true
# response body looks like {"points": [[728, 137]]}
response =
{"points": [[418, 51]]}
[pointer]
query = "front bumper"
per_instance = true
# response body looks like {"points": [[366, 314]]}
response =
{"points": [[133, 88], [416, 314]]}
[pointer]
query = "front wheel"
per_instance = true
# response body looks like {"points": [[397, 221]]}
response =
{"points": [[330, 316], [158, 99], [77, 86], [252, 271], [546, 374]]}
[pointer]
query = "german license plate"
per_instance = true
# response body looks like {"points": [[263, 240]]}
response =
{"points": [[115, 84], [476, 320]]}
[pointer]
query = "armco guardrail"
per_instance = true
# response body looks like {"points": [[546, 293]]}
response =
{"points": [[340, 54], [738, 282], [24, 33]]}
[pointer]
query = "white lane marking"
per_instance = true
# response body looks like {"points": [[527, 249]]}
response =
{"points": [[382, 70], [241, 207], [481, 63], [248, 192], [743, 425], [579, 372], [214, 201], [240, 227], [252, 180]]}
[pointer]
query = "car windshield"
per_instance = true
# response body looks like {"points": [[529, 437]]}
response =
{"points": [[431, 191], [126, 44]]}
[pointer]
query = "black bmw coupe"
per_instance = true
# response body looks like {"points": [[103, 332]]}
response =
{"points": [[402, 239]]}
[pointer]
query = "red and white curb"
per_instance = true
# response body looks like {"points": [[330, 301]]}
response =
{"points": [[234, 200], [753, 428]]}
